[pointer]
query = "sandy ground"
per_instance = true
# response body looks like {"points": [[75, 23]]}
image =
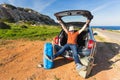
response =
{"points": [[19, 60]]}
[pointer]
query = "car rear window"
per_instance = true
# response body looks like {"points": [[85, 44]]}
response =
{"points": [[74, 19]]}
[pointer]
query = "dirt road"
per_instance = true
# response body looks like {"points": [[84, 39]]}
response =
{"points": [[111, 35], [19, 60]]}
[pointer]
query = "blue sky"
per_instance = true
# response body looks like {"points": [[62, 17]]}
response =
{"points": [[106, 12]]}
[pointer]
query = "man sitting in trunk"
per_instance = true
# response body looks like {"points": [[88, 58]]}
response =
{"points": [[72, 43]]}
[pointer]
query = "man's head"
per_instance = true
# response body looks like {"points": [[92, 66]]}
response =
{"points": [[71, 28]]}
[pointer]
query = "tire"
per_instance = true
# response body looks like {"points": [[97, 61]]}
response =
{"points": [[48, 52]]}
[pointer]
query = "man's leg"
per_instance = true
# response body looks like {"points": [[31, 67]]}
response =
{"points": [[79, 66], [75, 53], [66, 46]]}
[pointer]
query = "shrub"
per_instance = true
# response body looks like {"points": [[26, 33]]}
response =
{"points": [[4, 26], [23, 26]]}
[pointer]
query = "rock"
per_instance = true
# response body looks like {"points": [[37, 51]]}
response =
{"points": [[11, 13]]}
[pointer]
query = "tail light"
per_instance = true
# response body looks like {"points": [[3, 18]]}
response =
{"points": [[56, 40], [90, 44]]}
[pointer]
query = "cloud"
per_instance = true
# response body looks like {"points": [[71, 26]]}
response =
{"points": [[7, 1], [101, 7], [11, 2], [105, 5], [40, 5], [107, 14]]}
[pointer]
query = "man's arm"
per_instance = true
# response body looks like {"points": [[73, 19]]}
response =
{"points": [[85, 25], [63, 26]]}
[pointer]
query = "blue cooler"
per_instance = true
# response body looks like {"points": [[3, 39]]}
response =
{"points": [[48, 52]]}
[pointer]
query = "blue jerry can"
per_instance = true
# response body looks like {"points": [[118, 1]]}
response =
{"points": [[48, 52]]}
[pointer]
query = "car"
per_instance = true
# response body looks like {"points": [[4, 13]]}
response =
{"points": [[85, 41]]}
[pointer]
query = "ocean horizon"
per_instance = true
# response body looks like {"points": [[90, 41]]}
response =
{"points": [[107, 27]]}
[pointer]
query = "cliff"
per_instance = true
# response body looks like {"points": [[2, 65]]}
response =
{"points": [[11, 13]]}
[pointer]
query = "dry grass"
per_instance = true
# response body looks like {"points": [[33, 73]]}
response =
{"points": [[99, 38]]}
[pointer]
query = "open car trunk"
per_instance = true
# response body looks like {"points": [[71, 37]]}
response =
{"points": [[82, 42], [81, 39]]}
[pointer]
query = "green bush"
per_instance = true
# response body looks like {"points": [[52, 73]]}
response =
{"points": [[23, 26], [4, 26]]}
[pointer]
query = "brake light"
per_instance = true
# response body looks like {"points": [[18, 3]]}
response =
{"points": [[90, 44], [56, 40]]}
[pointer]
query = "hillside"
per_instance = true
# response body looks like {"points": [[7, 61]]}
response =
{"points": [[11, 13]]}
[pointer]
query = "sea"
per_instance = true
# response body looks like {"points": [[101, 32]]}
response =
{"points": [[107, 27]]}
